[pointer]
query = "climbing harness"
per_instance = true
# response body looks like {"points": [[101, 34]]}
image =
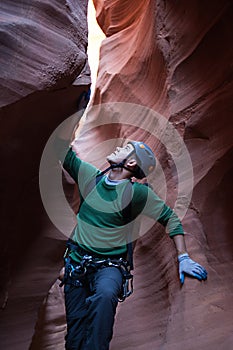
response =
{"points": [[76, 272]]}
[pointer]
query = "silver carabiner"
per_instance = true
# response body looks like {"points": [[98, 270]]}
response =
{"points": [[77, 272]]}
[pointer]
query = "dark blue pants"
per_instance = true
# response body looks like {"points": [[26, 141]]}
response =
{"points": [[91, 308]]}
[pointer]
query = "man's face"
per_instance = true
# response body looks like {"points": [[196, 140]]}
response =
{"points": [[120, 154]]}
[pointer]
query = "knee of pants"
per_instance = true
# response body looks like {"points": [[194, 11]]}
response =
{"points": [[107, 293], [108, 287]]}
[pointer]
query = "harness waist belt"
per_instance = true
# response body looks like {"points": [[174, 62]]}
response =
{"points": [[73, 246]]}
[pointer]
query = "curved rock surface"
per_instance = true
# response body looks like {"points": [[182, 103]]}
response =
{"points": [[43, 46], [174, 58]]}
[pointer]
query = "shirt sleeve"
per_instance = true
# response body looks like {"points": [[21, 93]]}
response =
{"points": [[82, 172], [169, 219], [156, 208]]}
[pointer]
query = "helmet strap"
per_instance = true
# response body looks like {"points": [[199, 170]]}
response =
{"points": [[118, 165]]}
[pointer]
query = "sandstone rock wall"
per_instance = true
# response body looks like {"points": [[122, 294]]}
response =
{"points": [[43, 69]]}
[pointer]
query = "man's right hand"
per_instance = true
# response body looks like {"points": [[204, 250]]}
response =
{"points": [[61, 274]]}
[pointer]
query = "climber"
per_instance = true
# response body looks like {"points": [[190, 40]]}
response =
{"points": [[96, 261]]}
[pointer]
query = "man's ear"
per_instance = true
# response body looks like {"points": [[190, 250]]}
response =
{"points": [[131, 163]]}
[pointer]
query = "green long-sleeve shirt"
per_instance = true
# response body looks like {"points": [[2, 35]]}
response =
{"points": [[102, 227]]}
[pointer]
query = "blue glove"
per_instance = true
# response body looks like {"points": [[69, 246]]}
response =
{"points": [[189, 267]]}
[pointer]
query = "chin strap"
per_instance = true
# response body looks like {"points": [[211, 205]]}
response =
{"points": [[118, 165]]}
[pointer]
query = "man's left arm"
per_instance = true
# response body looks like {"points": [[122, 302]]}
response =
{"points": [[187, 266], [157, 209]]}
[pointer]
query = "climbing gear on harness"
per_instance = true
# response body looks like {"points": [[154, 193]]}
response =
{"points": [[75, 272], [127, 285]]}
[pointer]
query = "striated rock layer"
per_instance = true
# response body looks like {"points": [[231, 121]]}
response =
{"points": [[174, 58], [43, 69], [43, 46]]}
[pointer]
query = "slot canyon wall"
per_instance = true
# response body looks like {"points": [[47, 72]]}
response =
{"points": [[173, 58], [44, 69]]}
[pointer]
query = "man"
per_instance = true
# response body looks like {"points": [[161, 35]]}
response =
{"points": [[96, 258]]}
